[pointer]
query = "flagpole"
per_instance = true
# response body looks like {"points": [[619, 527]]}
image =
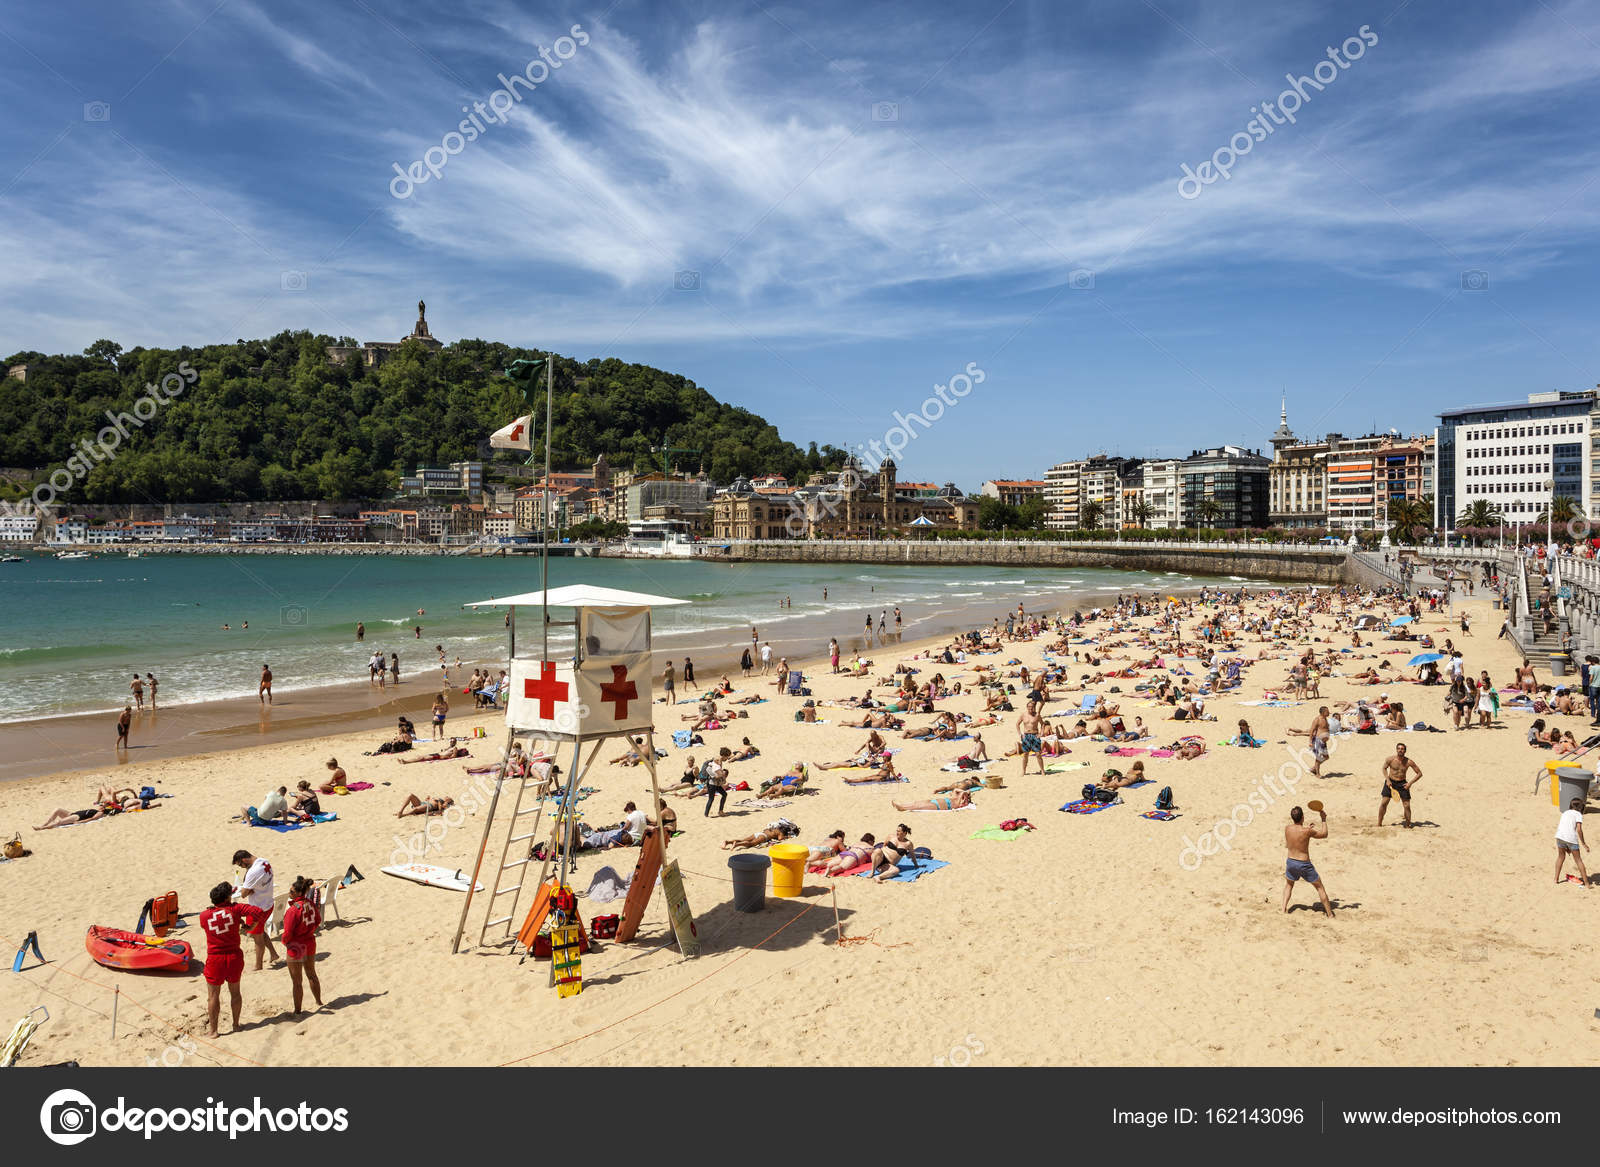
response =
{"points": [[544, 543]]}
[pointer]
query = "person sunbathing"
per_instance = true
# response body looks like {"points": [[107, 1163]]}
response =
{"points": [[450, 751], [1117, 780], [633, 756], [1566, 745], [774, 832], [1245, 738], [424, 806], [1396, 717], [745, 750], [979, 721], [401, 742], [953, 801], [886, 855], [978, 752], [827, 849], [791, 783], [874, 720], [884, 773], [71, 818], [942, 729], [971, 782], [874, 747], [1189, 749], [851, 857], [754, 700]]}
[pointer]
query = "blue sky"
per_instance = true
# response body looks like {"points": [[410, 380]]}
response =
{"points": [[873, 197]]}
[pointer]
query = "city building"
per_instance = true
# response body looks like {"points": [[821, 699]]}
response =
{"points": [[1013, 492], [1515, 456], [1297, 479], [499, 525], [1061, 489], [1161, 489], [1345, 484], [1225, 487], [1100, 489], [469, 475], [393, 523], [645, 491], [19, 528], [848, 505]]}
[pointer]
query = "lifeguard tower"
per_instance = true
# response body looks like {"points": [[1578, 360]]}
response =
{"points": [[602, 691]]}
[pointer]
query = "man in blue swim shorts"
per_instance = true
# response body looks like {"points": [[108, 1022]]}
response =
{"points": [[1029, 728], [1298, 837]]}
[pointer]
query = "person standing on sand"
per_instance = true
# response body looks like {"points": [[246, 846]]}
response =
{"points": [[1029, 728], [394, 667], [1569, 835], [745, 663], [669, 697], [137, 688], [264, 691], [766, 658], [123, 721], [897, 619], [1297, 836], [361, 630], [441, 708], [833, 652], [301, 919], [868, 632], [688, 673], [1318, 733], [150, 683], [222, 924], [1395, 769], [255, 889]]}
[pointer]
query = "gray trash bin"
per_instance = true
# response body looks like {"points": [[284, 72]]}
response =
{"points": [[749, 881], [1574, 782], [1558, 664]]}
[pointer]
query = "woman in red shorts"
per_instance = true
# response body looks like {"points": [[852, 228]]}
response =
{"points": [[301, 919]]}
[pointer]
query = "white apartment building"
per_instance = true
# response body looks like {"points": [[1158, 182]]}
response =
{"points": [[1516, 456], [1061, 484], [19, 528], [1162, 490]]}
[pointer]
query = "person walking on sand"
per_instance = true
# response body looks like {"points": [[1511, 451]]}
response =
{"points": [[766, 658], [1395, 769], [1297, 836], [123, 722], [868, 633], [137, 688], [264, 691], [394, 667], [667, 684], [301, 919], [150, 684], [1569, 836], [688, 673], [255, 890], [745, 663]]}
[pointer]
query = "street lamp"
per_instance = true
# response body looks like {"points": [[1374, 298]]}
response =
{"points": [[1549, 515]]}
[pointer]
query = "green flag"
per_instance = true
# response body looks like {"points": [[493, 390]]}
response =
{"points": [[525, 375]]}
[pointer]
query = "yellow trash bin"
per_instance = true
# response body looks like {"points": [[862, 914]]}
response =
{"points": [[788, 868]]}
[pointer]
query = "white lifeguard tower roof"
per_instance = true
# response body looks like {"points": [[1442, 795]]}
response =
{"points": [[580, 596]]}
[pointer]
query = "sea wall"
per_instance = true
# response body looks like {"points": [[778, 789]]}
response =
{"points": [[1254, 561]]}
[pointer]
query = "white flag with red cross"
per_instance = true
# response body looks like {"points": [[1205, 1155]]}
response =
{"points": [[516, 436]]}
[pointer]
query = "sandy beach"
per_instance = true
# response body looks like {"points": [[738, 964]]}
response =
{"points": [[1106, 939]]}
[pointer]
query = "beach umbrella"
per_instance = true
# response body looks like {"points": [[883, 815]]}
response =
{"points": [[1400, 620], [1423, 658]]}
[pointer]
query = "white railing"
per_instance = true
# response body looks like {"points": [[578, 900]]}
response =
{"points": [[714, 544]]}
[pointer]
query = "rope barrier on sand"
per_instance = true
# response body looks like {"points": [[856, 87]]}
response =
{"points": [[176, 1028]]}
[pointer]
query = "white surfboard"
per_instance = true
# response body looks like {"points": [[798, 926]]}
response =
{"points": [[445, 877]]}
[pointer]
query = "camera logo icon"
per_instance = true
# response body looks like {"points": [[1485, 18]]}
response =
{"points": [[1474, 281], [97, 111], [686, 281], [885, 111], [292, 615], [68, 1117], [292, 281], [1081, 280]]}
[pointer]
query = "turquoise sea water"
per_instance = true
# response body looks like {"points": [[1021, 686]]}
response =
{"points": [[73, 633]]}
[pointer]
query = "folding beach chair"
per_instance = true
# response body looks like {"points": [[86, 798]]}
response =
{"points": [[21, 1033], [796, 679]]}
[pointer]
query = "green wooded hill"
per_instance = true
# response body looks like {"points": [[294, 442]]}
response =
{"points": [[274, 419]]}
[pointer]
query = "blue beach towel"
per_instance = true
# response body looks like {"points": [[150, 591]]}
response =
{"points": [[910, 870], [680, 738], [1087, 806], [327, 817]]}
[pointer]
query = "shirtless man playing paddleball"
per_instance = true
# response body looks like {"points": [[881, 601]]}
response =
{"points": [[1297, 836], [1395, 770]]}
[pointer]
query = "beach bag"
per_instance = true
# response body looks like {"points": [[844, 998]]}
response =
{"points": [[604, 927], [1367, 727], [799, 715], [1164, 799], [14, 848]]}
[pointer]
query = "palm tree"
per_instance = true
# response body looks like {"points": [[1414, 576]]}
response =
{"points": [[1091, 514], [1140, 512], [1481, 513], [1209, 509], [1563, 509], [1408, 514]]}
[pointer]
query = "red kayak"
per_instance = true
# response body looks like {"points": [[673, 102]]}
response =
{"points": [[115, 948]]}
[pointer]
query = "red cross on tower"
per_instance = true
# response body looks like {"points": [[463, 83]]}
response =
{"points": [[547, 691], [619, 691]]}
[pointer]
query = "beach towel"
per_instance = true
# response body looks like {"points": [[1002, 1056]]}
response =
{"points": [[1064, 767], [760, 802], [879, 781], [355, 786], [1128, 751], [1161, 753], [958, 768], [910, 869], [996, 834], [1161, 816], [969, 806], [608, 885], [280, 827], [680, 738], [1088, 806], [859, 869]]}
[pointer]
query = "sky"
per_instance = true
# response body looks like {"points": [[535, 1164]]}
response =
{"points": [[824, 212]]}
